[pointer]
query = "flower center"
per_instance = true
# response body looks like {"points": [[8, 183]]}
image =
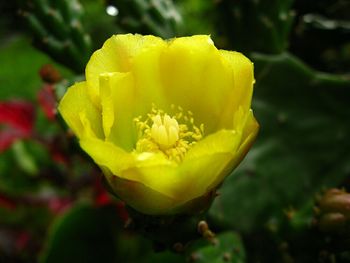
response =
{"points": [[173, 136], [165, 131]]}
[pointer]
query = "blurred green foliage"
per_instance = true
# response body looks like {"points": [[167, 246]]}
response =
{"points": [[83, 229], [268, 20], [27, 64], [265, 209], [158, 17], [58, 31]]}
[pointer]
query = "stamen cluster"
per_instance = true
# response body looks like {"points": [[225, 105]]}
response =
{"points": [[173, 136]]}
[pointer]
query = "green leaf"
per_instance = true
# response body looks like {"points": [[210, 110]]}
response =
{"points": [[24, 160], [84, 234], [302, 146], [227, 247]]}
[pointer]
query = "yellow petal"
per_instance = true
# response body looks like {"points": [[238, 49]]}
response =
{"points": [[195, 77], [139, 196], [117, 93], [116, 55], [146, 71], [242, 90], [156, 172], [208, 162], [213, 158], [149, 201], [106, 154], [219, 142], [249, 134], [80, 113], [153, 170]]}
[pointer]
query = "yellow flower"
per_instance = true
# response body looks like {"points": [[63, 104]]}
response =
{"points": [[166, 121]]}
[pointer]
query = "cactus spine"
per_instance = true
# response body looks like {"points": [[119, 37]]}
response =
{"points": [[158, 17], [57, 30]]}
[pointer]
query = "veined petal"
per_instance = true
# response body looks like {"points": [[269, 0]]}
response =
{"points": [[208, 162], [146, 71], [242, 90], [250, 131], [139, 196], [118, 103], [149, 201], [153, 170], [106, 154], [205, 173], [247, 140], [247, 129], [195, 77], [219, 142], [116, 55], [80, 113]]}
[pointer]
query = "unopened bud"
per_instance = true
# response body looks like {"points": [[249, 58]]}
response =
{"points": [[333, 212], [49, 74], [204, 230], [332, 222], [227, 257], [202, 227], [336, 201], [178, 247]]}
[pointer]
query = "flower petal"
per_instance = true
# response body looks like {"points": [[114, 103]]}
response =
{"points": [[242, 90], [146, 70], [151, 169], [149, 201], [80, 113], [250, 132], [215, 157], [155, 171], [139, 196], [195, 77], [116, 55], [106, 154], [118, 105], [220, 142], [208, 162]]}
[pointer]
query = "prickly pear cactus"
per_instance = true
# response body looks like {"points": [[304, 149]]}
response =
{"points": [[158, 17], [57, 30], [226, 247], [270, 20], [322, 35]]}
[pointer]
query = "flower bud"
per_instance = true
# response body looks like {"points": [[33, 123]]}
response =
{"points": [[334, 212]]}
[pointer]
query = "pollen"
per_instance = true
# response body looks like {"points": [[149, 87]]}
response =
{"points": [[172, 135]]}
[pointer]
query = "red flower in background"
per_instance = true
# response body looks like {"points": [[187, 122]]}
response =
{"points": [[103, 198], [16, 122], [46, 96], [47, 101]]}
